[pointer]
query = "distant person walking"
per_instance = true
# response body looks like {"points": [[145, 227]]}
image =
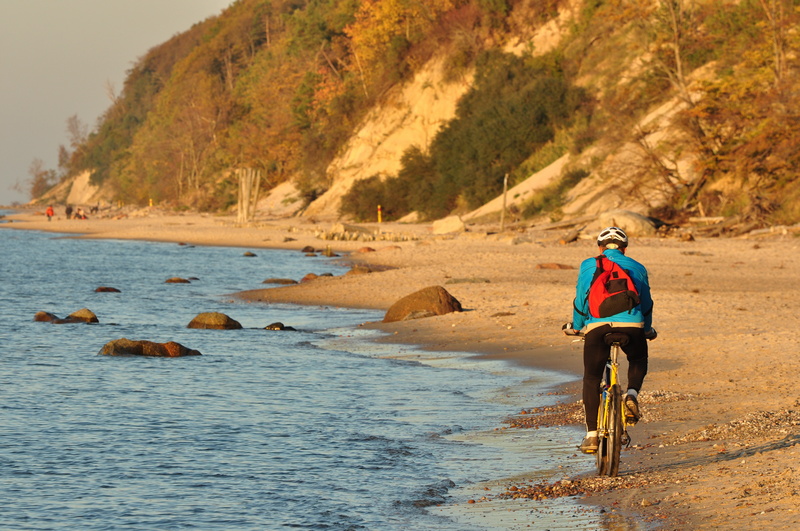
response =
{"points": [[69, 211], [49, 212]]}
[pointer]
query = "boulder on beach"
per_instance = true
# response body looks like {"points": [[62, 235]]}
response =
{"points": [[633, 223], [427, 302], [359, 269], [214, 321], [313, 276], [128, 347], [284, 281], [348, 228], [449, 225]]}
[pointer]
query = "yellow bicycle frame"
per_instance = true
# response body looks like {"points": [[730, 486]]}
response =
{"points": [[605, 404]]}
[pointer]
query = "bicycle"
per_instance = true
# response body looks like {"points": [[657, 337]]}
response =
{"points": [[612, 424]]}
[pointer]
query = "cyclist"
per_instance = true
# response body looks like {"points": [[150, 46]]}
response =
{"points": [[636, 323]]}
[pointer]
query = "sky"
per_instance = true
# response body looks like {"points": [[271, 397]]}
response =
{"points": [[58, 58]]}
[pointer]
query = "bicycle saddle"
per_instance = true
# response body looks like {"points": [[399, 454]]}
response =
{"points": [[616, 337]]}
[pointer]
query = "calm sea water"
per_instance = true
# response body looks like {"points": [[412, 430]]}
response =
{"points": [[316, 429]]}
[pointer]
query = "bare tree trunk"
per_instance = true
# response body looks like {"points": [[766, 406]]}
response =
{"points": [[328, 60], [256, 184], [244, 194], [776, 14], [249, 184], [361, 73], [676, 21], [229, 69], [180, 177]]}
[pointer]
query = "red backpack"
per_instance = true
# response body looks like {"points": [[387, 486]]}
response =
{"points": [[612, 290]]}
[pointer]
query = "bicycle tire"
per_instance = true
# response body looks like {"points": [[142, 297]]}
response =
{"points": [[615, 430], [601, 457]]}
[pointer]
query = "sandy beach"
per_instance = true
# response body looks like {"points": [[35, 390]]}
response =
{"points": [[719, 443]]}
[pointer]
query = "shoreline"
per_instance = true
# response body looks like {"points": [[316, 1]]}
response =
{"points": [[725, 310]]}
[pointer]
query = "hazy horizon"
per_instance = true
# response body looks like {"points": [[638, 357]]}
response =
{"points": [[58, 60]]}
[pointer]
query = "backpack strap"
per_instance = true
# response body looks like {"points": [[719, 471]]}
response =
{"points": [[600, 263], [597, 272], [578, 309]]}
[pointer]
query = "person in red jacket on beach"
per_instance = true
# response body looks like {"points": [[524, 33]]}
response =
{"points": [[49, 212]]}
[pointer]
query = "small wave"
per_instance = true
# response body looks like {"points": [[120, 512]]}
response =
{"points": [[446, 431], [435, 494]]}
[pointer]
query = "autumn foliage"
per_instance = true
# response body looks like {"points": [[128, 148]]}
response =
{"points": [[279, 86]]}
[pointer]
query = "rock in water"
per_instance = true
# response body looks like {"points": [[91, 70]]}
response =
{"points": [[427, 302], [84, 315], [177, 280], [45, 317], [284, 281], [128, 347], [81, 316], [278, 326], [215, 321]]}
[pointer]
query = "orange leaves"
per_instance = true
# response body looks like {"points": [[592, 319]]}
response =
{"points": [[382, 24]]}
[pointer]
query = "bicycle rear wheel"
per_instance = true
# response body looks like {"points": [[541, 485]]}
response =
{"points": [[615, 431], [610, 432]]}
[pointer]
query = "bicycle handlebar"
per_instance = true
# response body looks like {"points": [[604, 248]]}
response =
{"points": [[569, 331]]}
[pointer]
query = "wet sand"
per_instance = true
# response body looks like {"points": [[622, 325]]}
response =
{"points": [[719, 443]]}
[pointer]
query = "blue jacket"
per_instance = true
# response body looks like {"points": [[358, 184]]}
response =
{"points": [[641, 315]]}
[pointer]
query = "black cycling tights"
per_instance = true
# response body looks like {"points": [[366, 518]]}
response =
{"points": [[595, 354]]}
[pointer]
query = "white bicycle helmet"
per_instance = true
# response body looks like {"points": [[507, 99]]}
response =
{"points": [[612, 238]]}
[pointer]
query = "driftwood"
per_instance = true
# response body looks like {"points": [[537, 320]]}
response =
{"points": [[570, 237], [778, 229], [567, 223], [707, 219], [731, 226]]}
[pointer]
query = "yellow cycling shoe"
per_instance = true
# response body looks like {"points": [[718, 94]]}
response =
{"points": [[590, 444]]}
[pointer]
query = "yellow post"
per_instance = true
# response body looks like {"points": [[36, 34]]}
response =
{"points": [[379, 214], [151, 201]]}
